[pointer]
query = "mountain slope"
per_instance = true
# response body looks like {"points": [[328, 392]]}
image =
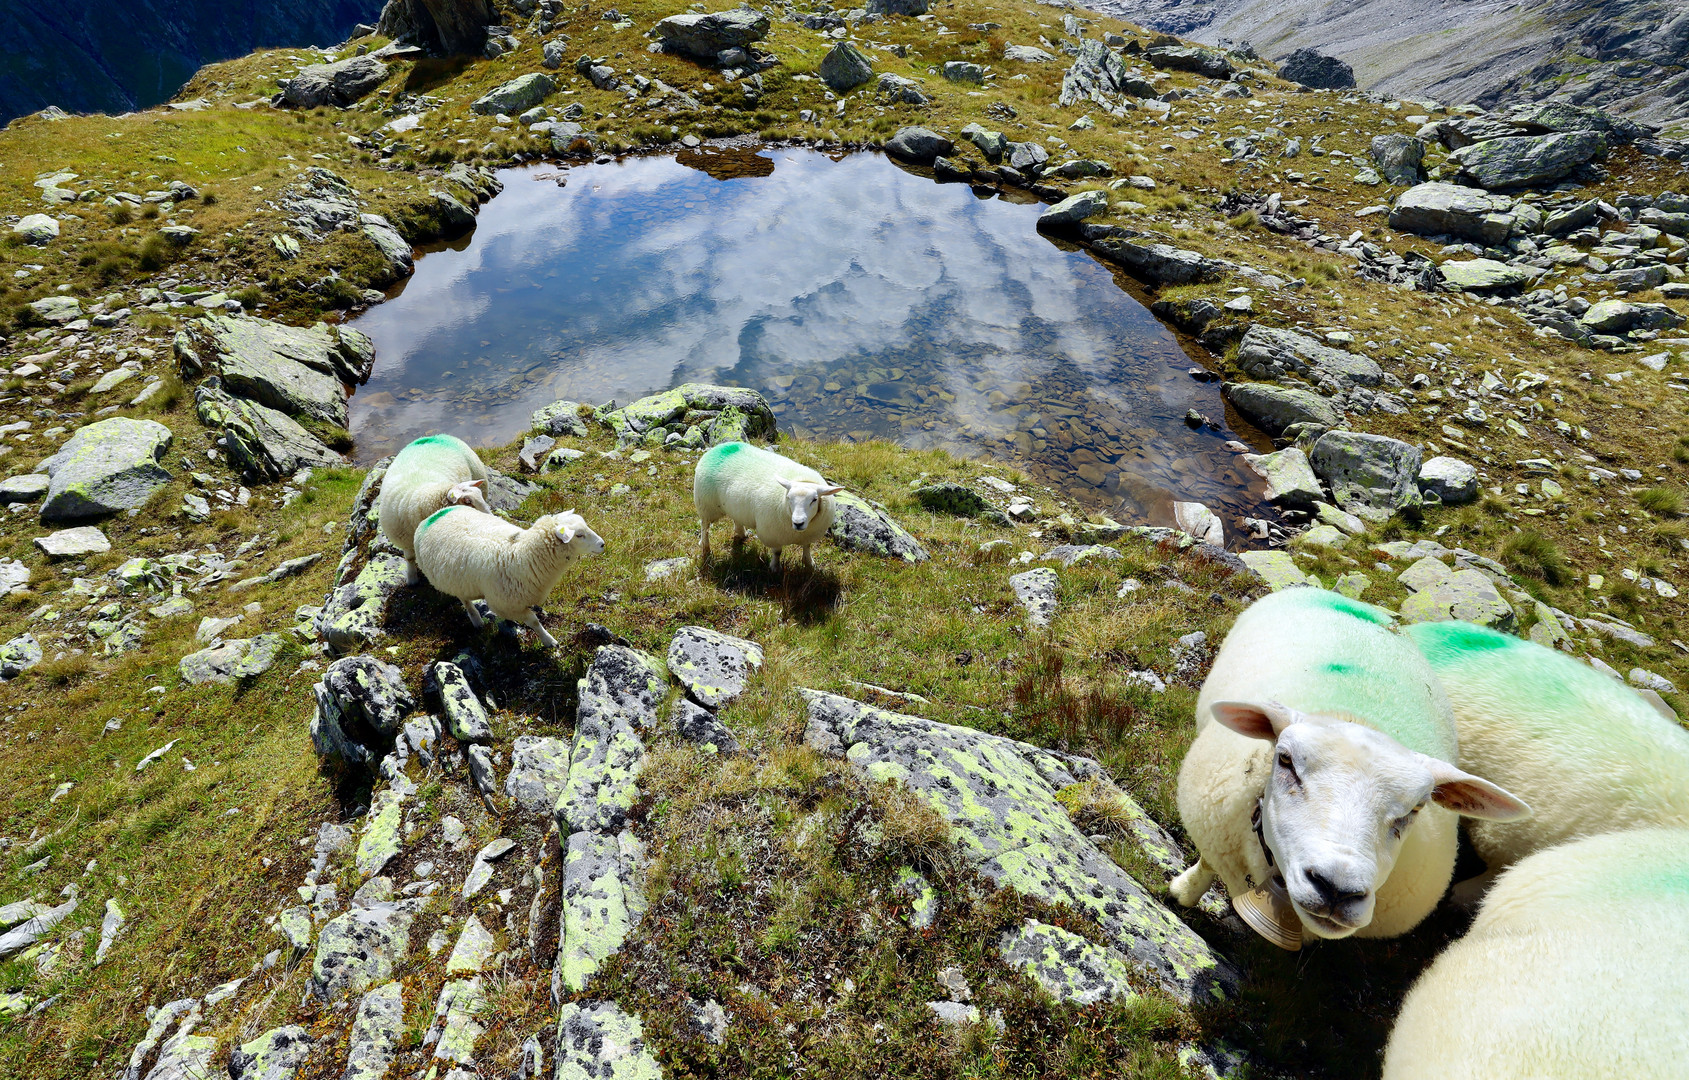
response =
{"points": [[1628, 55], [104, 56]]}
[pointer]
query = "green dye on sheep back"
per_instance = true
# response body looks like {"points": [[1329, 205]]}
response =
{"points": [[436, 516], [1463, 655]]}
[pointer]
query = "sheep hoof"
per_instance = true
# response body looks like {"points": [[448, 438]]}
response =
{"points": [[413, 573], [1189, 886]]}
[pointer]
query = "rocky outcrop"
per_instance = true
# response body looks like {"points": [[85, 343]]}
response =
{"points": [[1523, 161], [1098, 75], [1439, 209], [454, 27], [1316, 70], [704, 35], [298, 371], [107, 466], [339, 84], [262, 443], [692, 416]]}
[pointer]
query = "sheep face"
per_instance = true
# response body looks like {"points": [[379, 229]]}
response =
{"points": [[576, 535], [803, 500], [1340, 799], [469, 493]]}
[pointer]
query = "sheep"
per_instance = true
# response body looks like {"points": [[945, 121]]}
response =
{"points": [[784, 502], [431, 472], [1320, 787], [475, 556], [1588, 753], [1577, 966]]}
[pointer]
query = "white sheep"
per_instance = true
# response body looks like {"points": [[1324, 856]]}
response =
{"points": [[1585, 751], [1577, 966], [432, 472], [1320, 787], [475, 556], [783, 502]]}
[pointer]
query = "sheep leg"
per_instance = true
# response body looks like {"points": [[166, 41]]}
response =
{"points": [[808, 559], [413, 572], [532, 620], [774, 558], [704, 541], [1189, 886], [474, 616]]}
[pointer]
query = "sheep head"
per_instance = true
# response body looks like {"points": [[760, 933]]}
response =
{"points": [[804, 500], [469, 493], [1338, 803], [572, 531]]}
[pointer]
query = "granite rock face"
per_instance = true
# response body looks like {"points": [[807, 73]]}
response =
{"points": [[859, 525], [1275, 408], [712, 666], [1521, 161]]}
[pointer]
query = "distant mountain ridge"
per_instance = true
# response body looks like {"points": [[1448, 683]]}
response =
{"points": [[112, 56], [1630, 56]]}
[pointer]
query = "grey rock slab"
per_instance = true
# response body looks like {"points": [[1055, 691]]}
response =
{"points": [[1371, 476], [360, 948], [461, 1003], [14, 573], [25, 488], [1465, 595], [338, 84], [1098, 74], [721, 413], [1209, 63], [539, 769], [516, 96], [481, 870], [56, 309], [560, 420], [1026, 54], [110, 924], [596, 1040], [1486, 275], [1161, 264], [376, 1032], [664, 569], [217, 664], [845, 67], [1290, 479], [285, 569], [618, 699], [475, 946], [370, 695], [1275, 408], [712, 666], [1074, 209], [383, 833], [1037, 590], [1439, 209], [859, 525], [465, 716], [401, 258], [19, 655], [1400, 158], [702, 35], [1067, 966], [698, 725], [1624, 316], [355, 614], [481, 771], [295, 926], [263, 443], [602, 904], [1448, 480], [1073, 554], [1000, 796], [158, 1024], [297, 371], [37, 229], [918, 144], [275, 1055], [1268, 352], [73, 543], [184, 1056], [33, 929], [1521, 161], [1426, 573], [107, 466]]}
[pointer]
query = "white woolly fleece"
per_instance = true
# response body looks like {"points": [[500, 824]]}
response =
{"points": [[475, 556], [1576, 967], [421, 480], [738, 481]]}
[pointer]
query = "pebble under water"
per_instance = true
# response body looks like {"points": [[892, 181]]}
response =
{"points": [[862, 300]]}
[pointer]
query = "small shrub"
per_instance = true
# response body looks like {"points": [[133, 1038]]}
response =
{"points": [[149, 213], [1661, 500], [1534, 555], [155, 253], [209, 198], [122, 215], [1246, 220]]}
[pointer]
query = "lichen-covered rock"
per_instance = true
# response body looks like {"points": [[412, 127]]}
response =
{"points": [[602, 904], [361, 948], [1070, 968], [1466, 595], [462, 1001], [262, 443], [1371, 476], [712, 666], [1000, 796], [355, 614], [1520, 161], [702, 35], [376, 1031], [475, 946], [481, 870], [1268, 352], [596, 1040], [1073, 210], [1448, 480], [275, 1055], [1161, 264], [466, 717], [107, 466], [1400, 158], [1438, 209], [845, 67], [338, 84], [361, 704], [1097, 74], [184, 1057], [859, 525], [922, 897], [539, 769], [19, 655], [618, 699], [297, 370], [1290, 479], [217, 664], [383, 836], [160, 1023], [1486, 275], [1037, 590], [561, 419], [651, 420], [516, 96], [696, 724]]}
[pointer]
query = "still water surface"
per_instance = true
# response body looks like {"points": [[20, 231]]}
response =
{"points": [[861, 300]]}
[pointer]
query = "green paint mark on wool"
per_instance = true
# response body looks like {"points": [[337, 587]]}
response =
{"points": [[1342, 604], [716, 457], [434, 440], [1452, 638], [436, 516]]}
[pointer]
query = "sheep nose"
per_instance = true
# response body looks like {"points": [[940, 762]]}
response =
{"points": [[1333, 893]]}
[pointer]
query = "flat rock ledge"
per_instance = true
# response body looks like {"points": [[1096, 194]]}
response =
{"points": [[1001, 797]]}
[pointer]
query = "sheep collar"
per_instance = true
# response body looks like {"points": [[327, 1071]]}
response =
{"points": [[1266, 908]]}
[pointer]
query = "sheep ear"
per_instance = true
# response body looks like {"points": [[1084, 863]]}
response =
{"points": [[783, 482], [1257, 720], [1473, 796], [566, 533], [830, 491], [482, 484]]}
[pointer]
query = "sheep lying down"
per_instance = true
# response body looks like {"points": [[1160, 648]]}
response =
{"points": [[475, 556], [1321, 786], [432, 472], [1576, 967], [783, 502]]}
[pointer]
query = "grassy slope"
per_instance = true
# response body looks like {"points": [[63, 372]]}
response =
{"points": [[193, 879]]}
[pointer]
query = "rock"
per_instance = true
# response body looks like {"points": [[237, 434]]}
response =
{"points": [[1270, 353], [73, 543], [1400, 158], [461, 1002], [56, 309], [599, 1040], [298, 371], [1622, 316], [1027, 157], [355, 614], [1275, 408], [948, 497], [1160, 264], [1197, 521], [275, 1055], [14, 574], [481, 870], [1000, 798], [712, 666], [26, 488], [1205, 62], [1521, 161], [1643, 679], [1438, 209], [383, 835], [1466, 595], [702, 35], [1074, 209], [990, 143], [214, 665], [454, 27], [264, 444], [475, 946], [1098, 75], [906, 8], [1487, 275], [859, 525], [1316, 70], [262, 653], [518, 95], [33, 929], [1067, 966], [1448, 480], [844, 68], [618, 699], [953, 1013], [602, 904], [294, 923], [922, 897], [1290, 479], [721, 413], [18, 656], [539, 769], [284, 569], [1026, 54], [465, 716], [664, 569], [376, 1033], [361, 704], [561, 420], [338, 84], [184, 1057], [1371, 476], [1036, 591], [107, 466], [401, 260], [963, 71], [1071, 554], [696, 724], [918, 144], [900, 90], [36, 229]]}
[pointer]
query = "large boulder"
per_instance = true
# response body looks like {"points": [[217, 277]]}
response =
{"points": [[1622, 316], [1290, 479], [1487, 275], [1209, 63], [340, 83], [297, 370], [1450, 210], [919, 145], [1545, 117], [1160, 264], [1316, 70], [1275, 408], [845, 67], [692, 414], [1448, 480], [1400, 158], [36, 229], [107, 466], [454, 27], [1521, 161], [516, 96], [1074, 209], [859, 525], [1268, 352], [262, 443], [1371, 476], [702, 35], [361, 703], [1097, 73]]}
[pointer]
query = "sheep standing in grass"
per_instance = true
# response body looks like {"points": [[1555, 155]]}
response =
{"points": [[431, 472], [783, 502], [475, 556], [1586, 752], [1576, 967], [1320, 787]]}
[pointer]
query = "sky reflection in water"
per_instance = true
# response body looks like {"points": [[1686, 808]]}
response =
{"points": [[863, 301]]}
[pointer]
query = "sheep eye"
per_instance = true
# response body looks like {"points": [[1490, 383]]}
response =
{"points": [[1288, 766]]}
